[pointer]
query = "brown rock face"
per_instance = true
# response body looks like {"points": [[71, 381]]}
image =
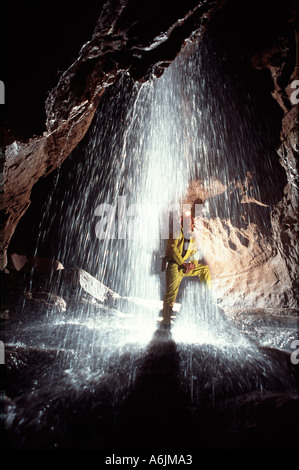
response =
{"points": [[25, 163], [251, 269]]}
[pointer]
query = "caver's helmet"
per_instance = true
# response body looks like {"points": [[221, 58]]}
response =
{"points": [[187, 214]]}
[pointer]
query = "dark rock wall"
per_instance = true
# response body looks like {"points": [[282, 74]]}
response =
{"points": [[281, 59]]}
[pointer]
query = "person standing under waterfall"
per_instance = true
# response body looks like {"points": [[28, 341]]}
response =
{"points": [[181, 263]]}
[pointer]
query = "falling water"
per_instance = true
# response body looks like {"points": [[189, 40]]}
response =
{"points": [[146, 144]]}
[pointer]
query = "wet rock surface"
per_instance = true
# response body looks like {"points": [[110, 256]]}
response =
{"points": [[85, 378], [223, 403]]}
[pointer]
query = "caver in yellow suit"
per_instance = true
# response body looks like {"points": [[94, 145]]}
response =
{"points": [[179, 254]]}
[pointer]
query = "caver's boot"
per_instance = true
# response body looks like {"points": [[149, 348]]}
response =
{"points": [[165, 322]]}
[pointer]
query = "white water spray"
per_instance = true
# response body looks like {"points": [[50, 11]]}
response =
{"points": [[147, 143]]}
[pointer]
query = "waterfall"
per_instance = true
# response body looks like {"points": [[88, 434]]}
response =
{"points": [[97, 372], [146, 144]]}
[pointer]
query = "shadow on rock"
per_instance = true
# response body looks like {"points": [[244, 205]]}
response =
{"points": [[170, 396], [155, 415]]}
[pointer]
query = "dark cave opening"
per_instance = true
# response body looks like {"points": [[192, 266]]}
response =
{"points": [[39, 43]]}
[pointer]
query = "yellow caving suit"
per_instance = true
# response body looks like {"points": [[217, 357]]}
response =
{"points": [[177, 255]]}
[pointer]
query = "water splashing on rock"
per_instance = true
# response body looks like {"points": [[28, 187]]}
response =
{"points": [[99, 352]]}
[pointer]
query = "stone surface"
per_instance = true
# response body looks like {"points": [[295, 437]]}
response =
{"points": [[220, 403], [258, 268], [25, 163], [284, 70], [250, 268], [67, 370], [47, 288], [18, 261]]}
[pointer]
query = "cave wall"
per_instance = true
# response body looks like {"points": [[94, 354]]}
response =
{"points": [[252, 269], [283, 63], [141, 40]]}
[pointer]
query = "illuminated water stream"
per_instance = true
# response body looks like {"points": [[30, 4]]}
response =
{"points": [[146, 144]]}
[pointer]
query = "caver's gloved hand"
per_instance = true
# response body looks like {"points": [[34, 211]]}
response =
{"points": [[188, 267]]}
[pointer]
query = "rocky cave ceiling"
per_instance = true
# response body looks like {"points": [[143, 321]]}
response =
{"points": [[58, 63]]}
